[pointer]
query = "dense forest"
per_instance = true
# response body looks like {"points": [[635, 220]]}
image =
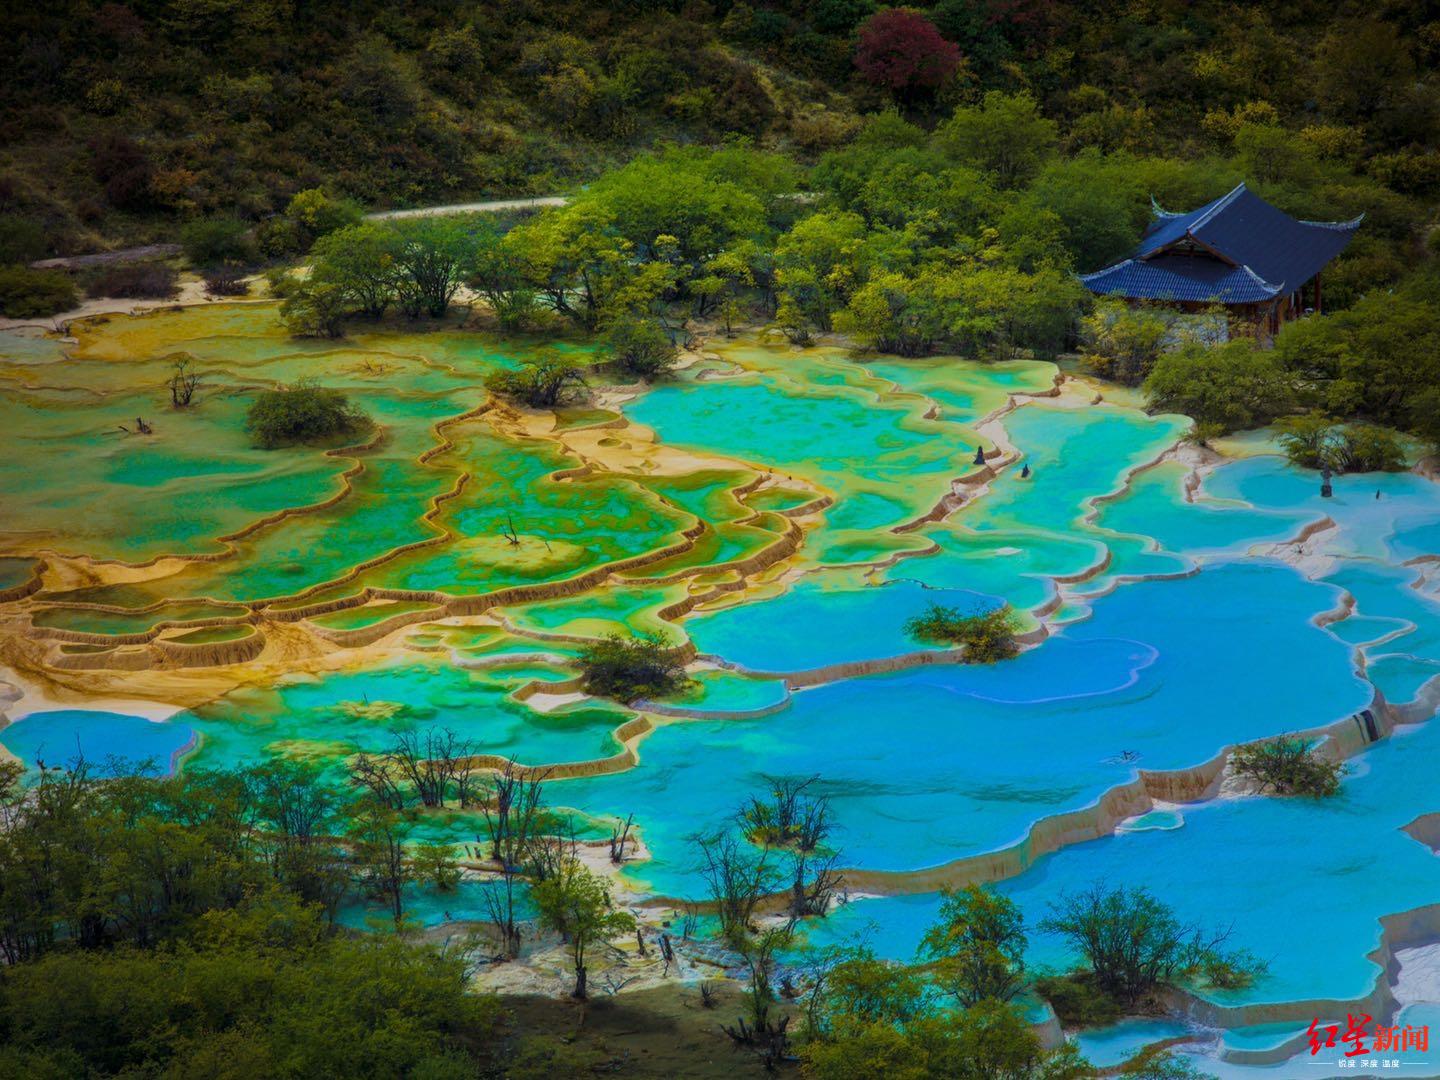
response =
{"points": [[120, 119]]}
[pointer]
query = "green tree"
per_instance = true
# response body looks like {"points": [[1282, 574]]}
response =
{"points": [[454, 60], [300, 413], [1122, 342], [214, 241], [1316, 441], [1288, 765], [728, 277], [641, 348], [502, 276], [577, 260], [362, 261], [22, 239], [897, 313], [26, 293], [576, 904], [862, 990], [1133, 942], [991, 1041], [1362, 65], [672, 195], [377, 835], [630, 668], [1269, 154], [541, 381], [988, 636], [299, 817], [261, 990], [1005, 136], [1309, 440], [1371, 448], [433, 258], [1099, 201], [819, 263], [978, 946], [317, 304], [1000, 311], [1233, 386], [1379, 359], [310, 214], [435, 865]]}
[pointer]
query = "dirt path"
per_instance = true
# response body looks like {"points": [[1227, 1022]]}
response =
{"points": [[77, 262], [164, 251], [193, 292], [470, 208]]}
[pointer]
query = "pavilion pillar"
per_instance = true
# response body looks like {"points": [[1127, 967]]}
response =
{"points": [[1317, 294]]}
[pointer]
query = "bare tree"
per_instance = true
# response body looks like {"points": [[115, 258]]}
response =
{"points": [[737, 878], [376, 773], [612, 982], [549, 853], [771, 1039], [512, 810], [798, 821], [378, 838], [815, 881], [619, 837], [499, 905], [639, 935], [778, 820], [430, 761], [463, 772], [183, 383], [689, 921]]}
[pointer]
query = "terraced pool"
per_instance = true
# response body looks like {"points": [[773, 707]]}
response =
{"points": [[784, 512]]}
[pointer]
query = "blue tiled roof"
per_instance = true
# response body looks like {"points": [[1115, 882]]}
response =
{"points": [[1168, 228], [1181, 277], [1256, 251]]}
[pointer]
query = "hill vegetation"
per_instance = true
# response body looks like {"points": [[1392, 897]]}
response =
{"points": [[122, 119], [921, 179]]}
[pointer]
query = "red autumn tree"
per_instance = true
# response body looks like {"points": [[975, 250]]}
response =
{"points": [[901, 50]]}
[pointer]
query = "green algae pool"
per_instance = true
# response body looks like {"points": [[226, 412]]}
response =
{"points": [[369, 614], [212, 635]]}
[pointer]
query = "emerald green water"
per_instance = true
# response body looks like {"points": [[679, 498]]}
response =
{"points": [[210, 635], [15, 571], [326, 719], [356, 618], [109, 622]]}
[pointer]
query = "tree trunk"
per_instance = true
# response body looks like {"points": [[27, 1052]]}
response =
{"points": [[579, 994]]}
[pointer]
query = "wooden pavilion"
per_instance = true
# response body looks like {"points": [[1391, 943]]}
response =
{"points": [[1259, 263]]}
